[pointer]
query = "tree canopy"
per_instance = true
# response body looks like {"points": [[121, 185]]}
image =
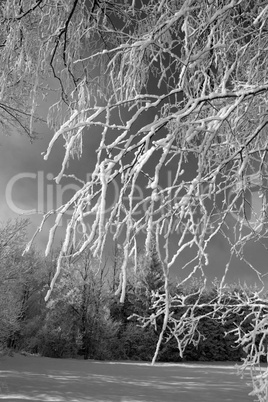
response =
{"points": [[162, 85]]}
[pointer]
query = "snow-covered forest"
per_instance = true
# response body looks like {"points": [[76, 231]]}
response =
{"points": [[84, 317]]}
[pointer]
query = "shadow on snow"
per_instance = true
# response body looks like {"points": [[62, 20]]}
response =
{"points": [[44, 379]]}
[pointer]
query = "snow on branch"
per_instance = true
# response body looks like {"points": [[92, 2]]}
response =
{"points": [[175, 86]]}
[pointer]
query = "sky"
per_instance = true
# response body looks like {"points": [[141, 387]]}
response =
{"points": [[28, 190], [21, 164], [26, 179]]}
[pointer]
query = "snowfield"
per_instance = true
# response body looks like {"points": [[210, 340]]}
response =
{"points": [[30, 378]]}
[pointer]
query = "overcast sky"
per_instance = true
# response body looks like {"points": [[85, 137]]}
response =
{"points": [[27, 185]]}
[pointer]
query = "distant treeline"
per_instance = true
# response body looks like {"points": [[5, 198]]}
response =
{"points": [[84, 318]]}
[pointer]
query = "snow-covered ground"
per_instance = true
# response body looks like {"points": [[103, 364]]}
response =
{"points": [[30, 378]]}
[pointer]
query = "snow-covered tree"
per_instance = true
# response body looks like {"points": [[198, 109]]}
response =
{"points": [[12, 242], [171, 84]]}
